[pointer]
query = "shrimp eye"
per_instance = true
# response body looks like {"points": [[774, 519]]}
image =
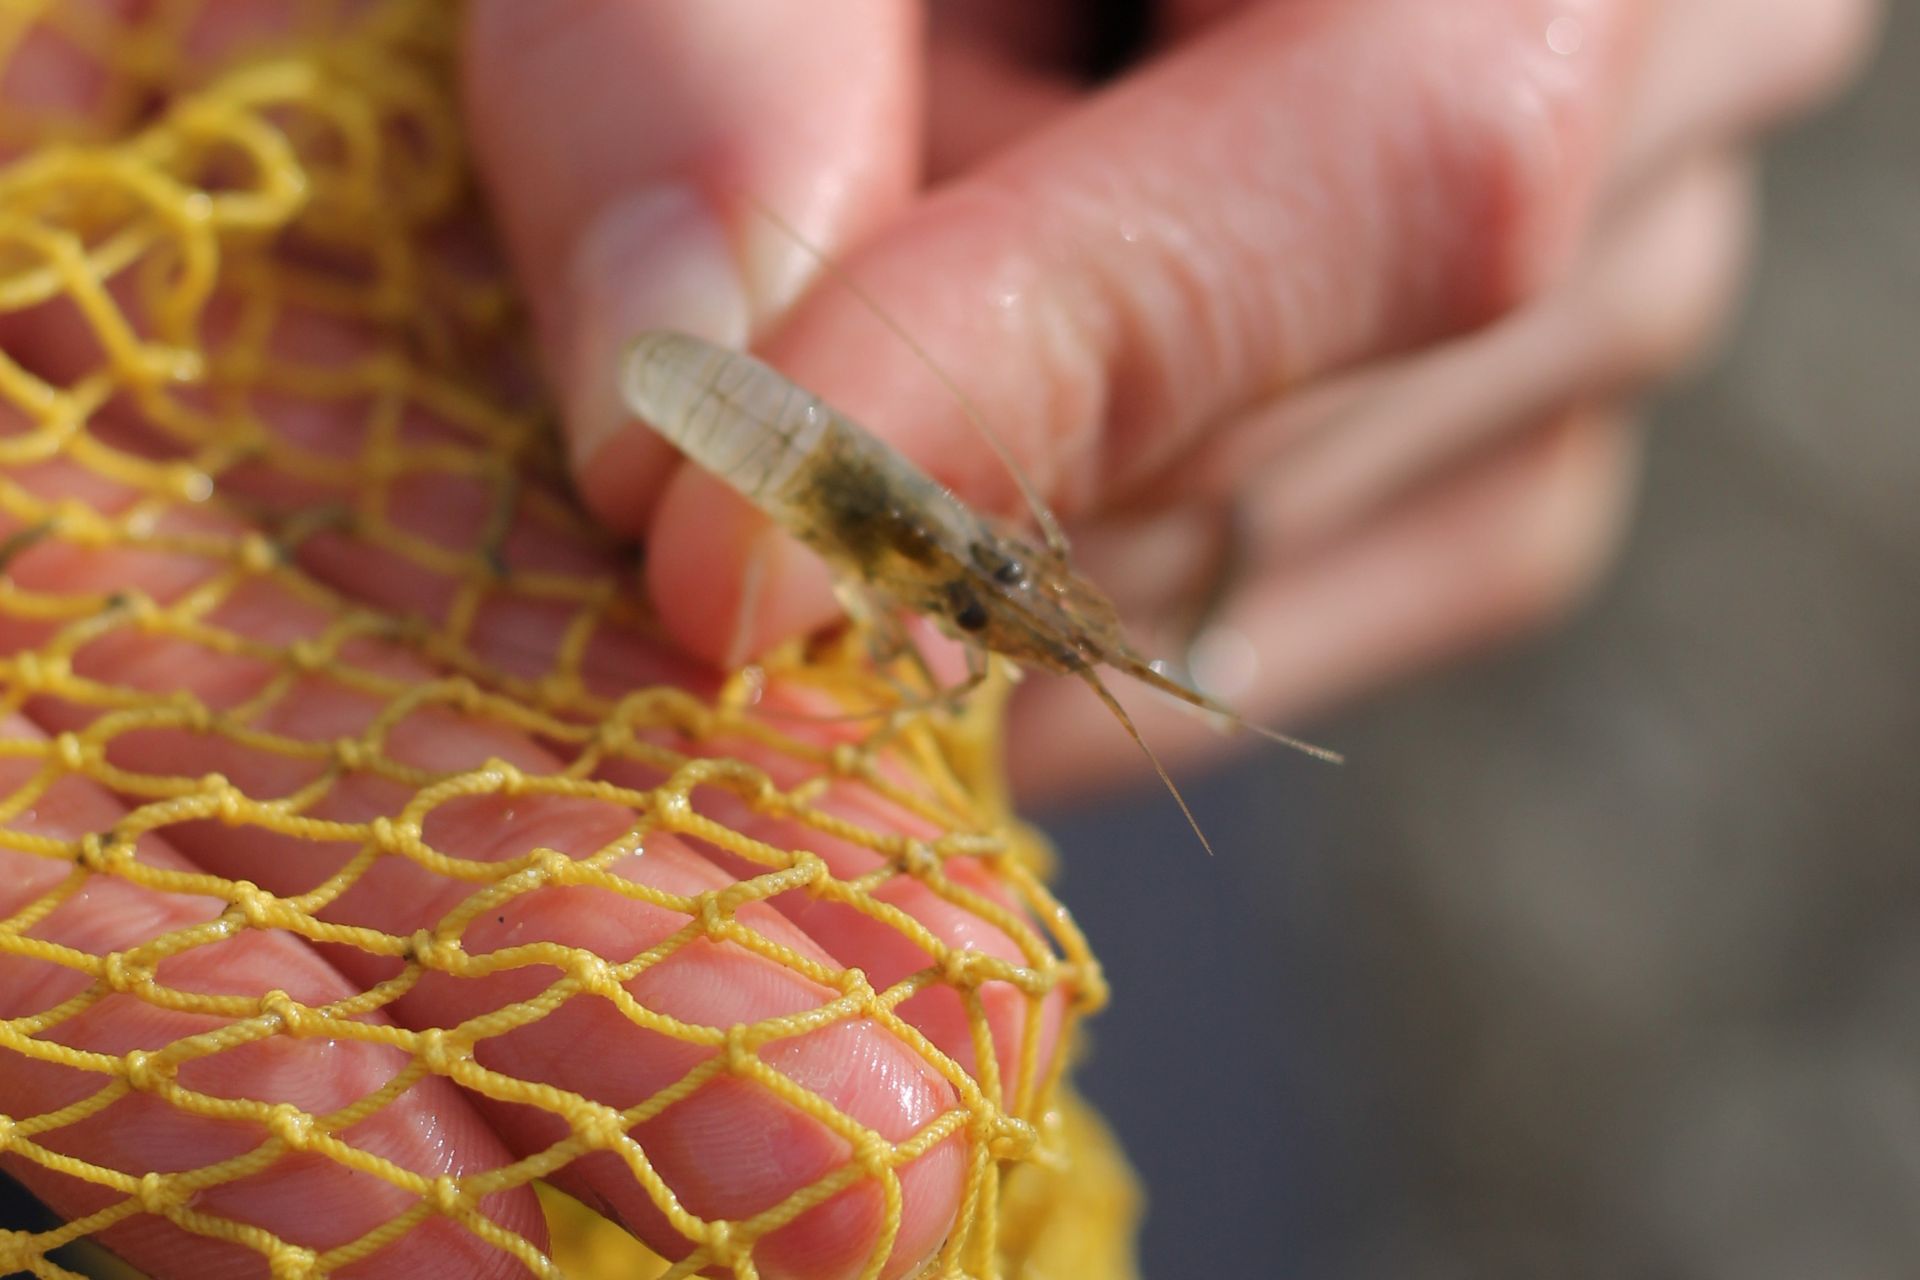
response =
{"points": [[968, 613], [1006, 570]]}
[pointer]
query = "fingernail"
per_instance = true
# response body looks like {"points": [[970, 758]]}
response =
{"points": [[657, 259], [753, 576]]}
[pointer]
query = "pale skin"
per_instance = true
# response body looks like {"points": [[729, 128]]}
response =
{"points": [[1391, 281]]}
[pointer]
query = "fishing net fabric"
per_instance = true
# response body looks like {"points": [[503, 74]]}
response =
{"points": [[363, 862]]}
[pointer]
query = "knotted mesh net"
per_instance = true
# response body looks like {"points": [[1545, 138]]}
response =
{"points": [[365, 863]]}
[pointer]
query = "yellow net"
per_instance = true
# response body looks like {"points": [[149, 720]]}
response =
{"points": [[363, 862]]}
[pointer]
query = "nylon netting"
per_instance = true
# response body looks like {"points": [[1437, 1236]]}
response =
{"points": [[359, 852]]}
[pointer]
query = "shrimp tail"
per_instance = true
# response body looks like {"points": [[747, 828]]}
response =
{"points": [[1126, 722], [1131, 664]]}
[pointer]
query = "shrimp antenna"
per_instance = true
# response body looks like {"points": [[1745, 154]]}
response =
{"points": [[1129, 664], [1042, 514], [1126, 722]]}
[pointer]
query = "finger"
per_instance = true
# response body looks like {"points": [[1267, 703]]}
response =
{"points": [[304, 1198], [1644, 304], [624, 145], [525, 636], [1181, 19], [980, 99], [1000, 69], [1043, 37], [701, 1150], [451, 512], [1503, 546], [414, 551], [458, 515], [1308, 186], [1717, 71], [1647, 300], [101, 68]]}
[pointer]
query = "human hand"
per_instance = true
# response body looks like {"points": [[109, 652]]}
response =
{"points": [[1383, 277], [290, 900]]}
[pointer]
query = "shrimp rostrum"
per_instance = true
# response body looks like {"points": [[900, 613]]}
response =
{"points": [[891, 532]]}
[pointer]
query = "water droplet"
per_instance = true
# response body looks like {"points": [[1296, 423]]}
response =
{"points": [[1224, 663], [1566, 37]]}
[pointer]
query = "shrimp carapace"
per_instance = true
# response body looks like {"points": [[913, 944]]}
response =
{"points": [[885, 526]]}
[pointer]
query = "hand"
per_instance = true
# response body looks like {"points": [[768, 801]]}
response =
{"points": [[176, 654], [1384, 277]]}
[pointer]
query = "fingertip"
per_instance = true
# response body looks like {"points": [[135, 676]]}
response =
{"points": [[658, 257], [621, 479], [727, 583], [625, 146]]}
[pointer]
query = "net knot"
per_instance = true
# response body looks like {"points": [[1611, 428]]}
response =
{"points": [[256, 905], [812, 867], [672, 808], [592, 973], [307, 655], [463, 695], [721, 1246], [33, 672], [70, 749], [715, 914], [292, 1262], [612, 737], [550, 865], [917, 858], [145, 1072], [290, 1013], [96, 852], [123, 975], [140, 608], [447, 1196], [855, 987], [601, 1130], [847, 760], [257, 554], [292, 1126], [507, 780], [389, 836], [440, 954], [439, 1052], [1089, 990], [230, 804], [873, 1153], [741, 1050], [155, 1193], [1005, 1137], [195, 716], [964, 968]]}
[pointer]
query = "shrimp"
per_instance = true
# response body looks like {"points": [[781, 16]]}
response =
{"points": [[890, 532]]}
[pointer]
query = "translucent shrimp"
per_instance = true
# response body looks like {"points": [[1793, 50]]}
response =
{"points": [[892, 534]]}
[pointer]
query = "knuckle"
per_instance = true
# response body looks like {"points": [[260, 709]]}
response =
{"points": [[1663, 284], [1832, 40], [1517, 109], [1569, 525], [1691, 300]]}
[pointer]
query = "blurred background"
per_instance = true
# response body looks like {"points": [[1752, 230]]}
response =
{"points": [[1602, 958]]}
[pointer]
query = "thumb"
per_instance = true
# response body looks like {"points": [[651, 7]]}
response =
{"points": [[624, 144]]}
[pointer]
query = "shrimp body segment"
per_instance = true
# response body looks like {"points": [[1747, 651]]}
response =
{"points": [[872, 515]]}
